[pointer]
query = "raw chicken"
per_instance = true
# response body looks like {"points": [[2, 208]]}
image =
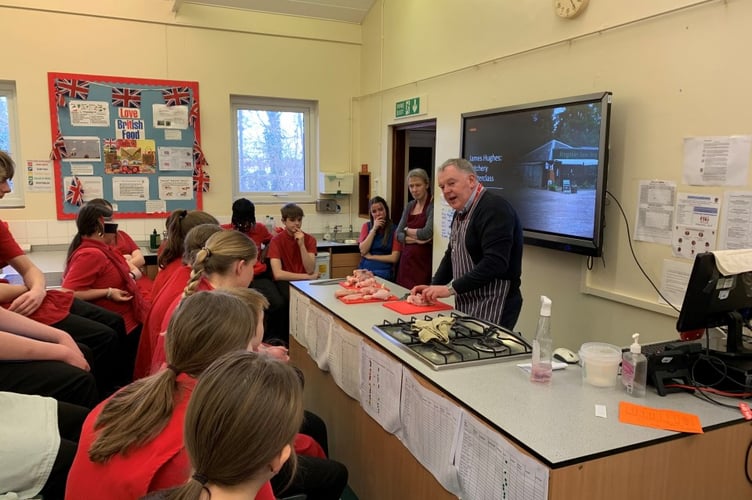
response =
{"points": [[367, 282], [353, 297], [380, 294], [346, 291], [417, 300]]}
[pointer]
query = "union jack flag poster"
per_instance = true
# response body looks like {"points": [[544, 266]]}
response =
{"points": [[176, 96], [193, 115], [126, 98], [198, 155], [75, 89], [58, 147], [201, 180], [104, 127], [75, 193]]}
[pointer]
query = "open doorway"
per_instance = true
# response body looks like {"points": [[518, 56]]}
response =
{"points": [[413, 146]]}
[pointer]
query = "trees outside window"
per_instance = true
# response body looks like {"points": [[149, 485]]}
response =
{"points": [[274, 148]]}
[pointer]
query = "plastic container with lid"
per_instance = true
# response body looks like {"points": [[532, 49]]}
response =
{"points": [[600, 363]]}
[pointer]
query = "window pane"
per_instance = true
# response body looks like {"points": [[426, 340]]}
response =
{"points": [[9, 143], [271, 151], [4, 124]]}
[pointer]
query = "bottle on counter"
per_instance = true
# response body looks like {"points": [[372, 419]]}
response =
{"points": [[541, 368], [154, 240], [270, 224], [634, 369]]}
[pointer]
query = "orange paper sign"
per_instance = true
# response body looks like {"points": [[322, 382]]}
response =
{"points": [[670, 420]]}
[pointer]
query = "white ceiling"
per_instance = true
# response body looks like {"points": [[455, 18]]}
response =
{"points": [[351, 11]]}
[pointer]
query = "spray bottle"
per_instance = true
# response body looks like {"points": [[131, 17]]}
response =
{"points": [[542, 345], [634, 369]]}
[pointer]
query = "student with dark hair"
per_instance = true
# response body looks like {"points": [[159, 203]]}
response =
{"points": [[124, 244], [171, 257], [97, 273], [292, 253], [379, 247], [244, 220], [292, 257]]}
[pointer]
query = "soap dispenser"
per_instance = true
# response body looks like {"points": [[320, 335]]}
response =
{"points": [[634, 369], [154, 240]]}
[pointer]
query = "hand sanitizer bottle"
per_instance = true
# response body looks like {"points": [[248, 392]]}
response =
{"points": [[634, 369], [542, 345]]}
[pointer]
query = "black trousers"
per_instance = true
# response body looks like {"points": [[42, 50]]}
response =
{"points": [[101, 331], [317, 478], [54, 379], [70, 419], [277, 317]]}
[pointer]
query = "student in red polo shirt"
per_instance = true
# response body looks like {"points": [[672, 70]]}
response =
{"points": [[292, 256], [132, 443]]}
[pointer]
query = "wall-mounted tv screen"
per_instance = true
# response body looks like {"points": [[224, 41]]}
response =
{"points": [[550, 161]]}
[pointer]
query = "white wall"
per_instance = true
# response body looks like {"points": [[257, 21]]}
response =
{"points": [[676, 69], [226, 51]]}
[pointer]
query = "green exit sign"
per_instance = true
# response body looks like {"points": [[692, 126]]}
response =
{"points": [[409, 107]]}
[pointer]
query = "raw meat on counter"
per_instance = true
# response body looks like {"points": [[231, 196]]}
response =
{"points": [[417, 300]]}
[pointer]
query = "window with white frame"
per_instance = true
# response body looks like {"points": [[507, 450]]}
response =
{"points": [[274, 149], [9, 143]]}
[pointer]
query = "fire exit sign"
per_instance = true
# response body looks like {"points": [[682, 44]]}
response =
{"points": [[410, 107]]}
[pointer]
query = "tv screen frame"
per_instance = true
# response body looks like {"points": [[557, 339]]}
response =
{"points": [[518, 151]]}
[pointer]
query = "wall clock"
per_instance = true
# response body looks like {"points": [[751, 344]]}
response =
{"points": [[569, 8]]}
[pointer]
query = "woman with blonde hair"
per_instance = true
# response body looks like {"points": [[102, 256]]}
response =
{"points": [[232, 448], [226, 260], [415, 232], [132, 443]]}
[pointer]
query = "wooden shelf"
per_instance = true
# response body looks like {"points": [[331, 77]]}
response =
{"points": [[364, 193]]}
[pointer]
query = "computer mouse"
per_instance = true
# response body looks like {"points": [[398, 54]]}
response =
{"points": [[566, 355]]}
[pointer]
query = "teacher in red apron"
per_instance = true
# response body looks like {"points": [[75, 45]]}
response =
{"points": [[415, 232]]}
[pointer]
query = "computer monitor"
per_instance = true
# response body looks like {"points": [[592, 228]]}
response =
{"points": [[716, 299]]}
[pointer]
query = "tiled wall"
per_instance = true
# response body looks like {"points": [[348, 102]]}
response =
{"points": [[55, 232]]}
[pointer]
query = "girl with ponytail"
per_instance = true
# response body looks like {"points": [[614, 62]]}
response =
{"points": [[132, 443]]}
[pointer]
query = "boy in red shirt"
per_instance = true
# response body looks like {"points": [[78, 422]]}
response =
{"points": [[292, 256]]}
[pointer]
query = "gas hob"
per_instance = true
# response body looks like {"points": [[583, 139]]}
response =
{"points": [[472, 342]]}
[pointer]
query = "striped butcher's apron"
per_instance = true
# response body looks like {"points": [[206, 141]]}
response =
{"points": [[486, 302]]}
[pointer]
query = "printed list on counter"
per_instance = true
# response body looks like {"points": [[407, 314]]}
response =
{"points": [[466, 457]]}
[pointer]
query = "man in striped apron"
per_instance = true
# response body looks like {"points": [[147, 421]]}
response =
{"points": [[484, 258]]}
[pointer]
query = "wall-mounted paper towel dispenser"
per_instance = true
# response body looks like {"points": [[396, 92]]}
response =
{"points": [[335, 183]]}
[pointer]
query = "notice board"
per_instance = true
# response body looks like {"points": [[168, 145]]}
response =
{"points": [[133, 141]]}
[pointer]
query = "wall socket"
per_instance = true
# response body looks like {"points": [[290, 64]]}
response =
{"points": [[327, 206]]}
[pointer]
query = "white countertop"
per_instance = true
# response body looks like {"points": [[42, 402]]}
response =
{"points": [[555, 422]]}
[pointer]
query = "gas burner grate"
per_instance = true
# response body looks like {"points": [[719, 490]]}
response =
{"points": [[473, 341]]}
